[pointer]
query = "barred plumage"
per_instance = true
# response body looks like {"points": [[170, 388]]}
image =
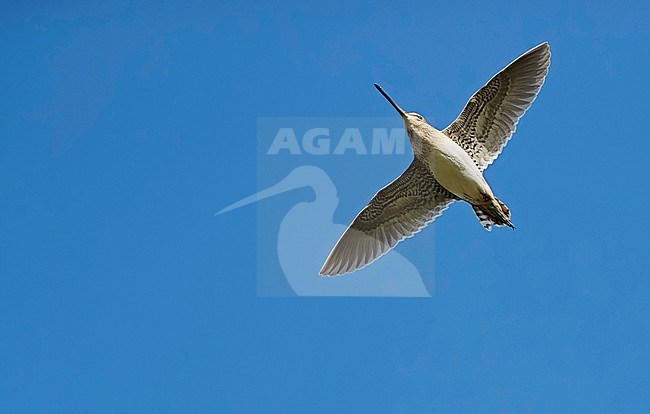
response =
{"points": [[447, 166]]}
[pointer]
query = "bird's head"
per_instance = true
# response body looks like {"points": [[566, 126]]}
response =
{"points": [[411, 119], [415, 117]]}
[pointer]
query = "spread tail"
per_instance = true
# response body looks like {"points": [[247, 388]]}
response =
{"points": [[493, 212]]}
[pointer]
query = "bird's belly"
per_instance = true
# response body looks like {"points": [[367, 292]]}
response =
{"points": [[455, 170]]}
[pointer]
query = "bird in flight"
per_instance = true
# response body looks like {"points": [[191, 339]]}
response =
{"points": [[447, 166]]}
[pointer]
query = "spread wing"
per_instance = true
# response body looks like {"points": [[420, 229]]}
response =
{"points": [[396, 212], [490, 117]]}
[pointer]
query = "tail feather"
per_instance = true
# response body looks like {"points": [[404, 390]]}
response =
{"points": [[494, 212]]}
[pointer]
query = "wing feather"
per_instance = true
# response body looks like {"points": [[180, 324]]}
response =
{"points": [[396, 212], [491, 115]]}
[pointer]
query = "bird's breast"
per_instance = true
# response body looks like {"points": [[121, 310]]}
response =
{"points": [[454, 169]]}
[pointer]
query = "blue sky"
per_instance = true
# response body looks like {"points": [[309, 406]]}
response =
{"points": [[125, 126]]}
